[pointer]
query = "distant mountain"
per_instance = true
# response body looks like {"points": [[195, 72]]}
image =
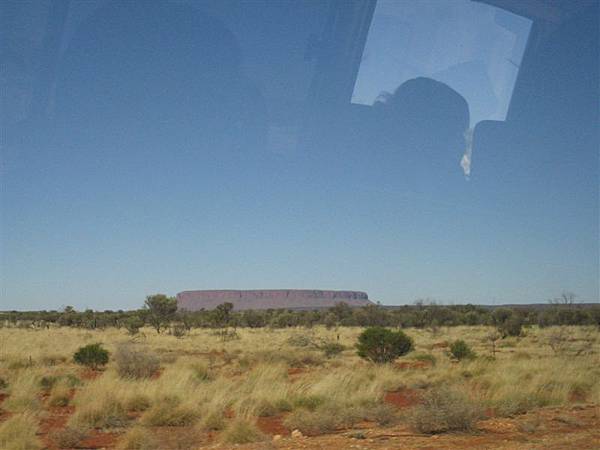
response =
{"points": [[270, 299]]}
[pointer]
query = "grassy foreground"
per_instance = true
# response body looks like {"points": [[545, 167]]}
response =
{"points": [[201, 389]]}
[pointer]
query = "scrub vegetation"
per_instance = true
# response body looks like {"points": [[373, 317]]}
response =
{"points": [[156, 390]]}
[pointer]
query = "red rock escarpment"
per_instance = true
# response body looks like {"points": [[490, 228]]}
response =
{"points": [[265, 299]]}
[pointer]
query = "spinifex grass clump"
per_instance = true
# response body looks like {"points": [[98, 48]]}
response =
{"points": [[135, 363], [381, 345], [445, 409], [92, 355]]}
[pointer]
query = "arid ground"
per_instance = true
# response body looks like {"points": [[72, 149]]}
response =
{"points": [[265, 388]]}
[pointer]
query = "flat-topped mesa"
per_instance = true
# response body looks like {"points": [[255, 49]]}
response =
{"points": [[270, 299]]}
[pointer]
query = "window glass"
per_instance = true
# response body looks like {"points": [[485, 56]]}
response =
{"points": [[474, 48]]}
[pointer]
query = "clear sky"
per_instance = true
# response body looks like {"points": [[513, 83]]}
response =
{"points": [[158, 173]]}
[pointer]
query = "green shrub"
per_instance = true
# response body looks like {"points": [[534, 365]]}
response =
{"points": [[133, 325], [91, 355], [47, 382], [300, 340], [511, 327], [381, 345], [133, 363], [445, 410], [331, 349], [461, 350], [3, 384]]}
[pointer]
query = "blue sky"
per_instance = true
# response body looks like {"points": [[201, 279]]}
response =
{"points": [[122, 200]]}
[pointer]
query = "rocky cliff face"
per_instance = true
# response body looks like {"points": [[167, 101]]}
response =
{"points": [[265, 299]]}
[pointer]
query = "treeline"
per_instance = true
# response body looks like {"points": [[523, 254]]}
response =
{"points": [[160, 312]]}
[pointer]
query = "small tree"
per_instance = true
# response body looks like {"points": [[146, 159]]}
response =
{"points": [[92, 355], [460, 350], [133, 325], [512, 327], [161, 310], [222, 314], [381, 345]]}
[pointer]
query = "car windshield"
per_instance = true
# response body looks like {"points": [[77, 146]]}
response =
{"points": [[414, 149]]}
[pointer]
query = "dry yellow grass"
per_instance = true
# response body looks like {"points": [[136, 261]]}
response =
{"points": [[204, 380]]}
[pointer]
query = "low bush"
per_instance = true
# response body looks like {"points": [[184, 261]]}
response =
{"points": [[460, 350], [91, 355], [241, 431], [133, 325], [445, 410], [300, 340], [511, 327], [68, 437], [382, 413], [331, 349], [48, 381], [134, 363], [138, 438], [380, 345]]}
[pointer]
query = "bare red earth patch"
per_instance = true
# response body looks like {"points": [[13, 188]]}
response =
{"points": [[442, 344], [99, 439], [272, 425], [403, 398], [156, 375], [3, 414], [412, 365], [90, 374]]}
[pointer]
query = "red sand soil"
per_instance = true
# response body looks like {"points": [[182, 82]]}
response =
{"points": [[412, 365], [90, 374], [442, 344], [3, 414], [272, 425], [576, 427], [156, 375], [403, 398], [99, 439]]}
